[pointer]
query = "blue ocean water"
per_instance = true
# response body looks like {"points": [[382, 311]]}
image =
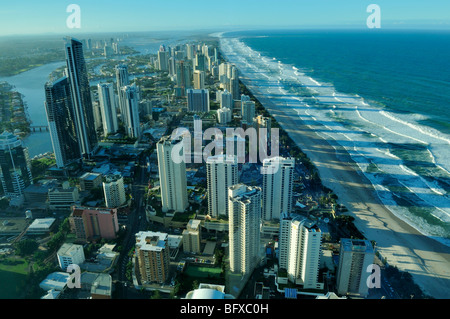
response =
{"points": [[405, 71], [383, 95]]}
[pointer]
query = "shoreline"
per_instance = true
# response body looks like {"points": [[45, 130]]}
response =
{"points": [[425, 258]]}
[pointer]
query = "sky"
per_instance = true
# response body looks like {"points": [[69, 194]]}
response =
{"points": [[45, 16]]}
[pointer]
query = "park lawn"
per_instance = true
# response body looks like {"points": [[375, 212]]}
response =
{"points": [[203, 272], [11, 277]]}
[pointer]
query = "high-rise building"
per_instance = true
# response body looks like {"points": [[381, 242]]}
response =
{"points": [[15, 167], [197, 100], [199, 80], [114, 190], [224, 115], [192, 237], [244, 215], [200, 62], [278, 179], [221, 173], [122, 79], [172, 175], [61, 122], [248, 112], [225, 99], [355, 257], [300, 247], [107, 100], [163, 60], [234, 88], [152, 250], [184, 76], [93, 224], [131, 110], [81, 96]]}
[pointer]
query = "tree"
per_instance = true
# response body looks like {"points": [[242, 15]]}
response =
{"points": [[26, 247]]}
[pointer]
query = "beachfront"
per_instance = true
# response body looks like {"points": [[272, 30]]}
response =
{"points": [[403, 246]]}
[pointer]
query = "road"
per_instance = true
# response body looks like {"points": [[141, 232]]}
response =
{"points": [[136, 222]]}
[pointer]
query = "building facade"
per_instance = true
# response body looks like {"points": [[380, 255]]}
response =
{"points": [[153, 256], [60, 112], [93, 224], [114, 191], [221, 173], [354, 258], [278, 179], [300, 249], [172, 175], [244, 228], [15, 166], [81, 96]]}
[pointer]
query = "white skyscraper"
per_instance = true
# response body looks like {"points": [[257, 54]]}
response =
{"points": [[114, 191], [221, 173], [225, 99], [172, 175], [107, 102], [224, 115], [300, 247], [244, 214], [278, 178], [131, 110]]}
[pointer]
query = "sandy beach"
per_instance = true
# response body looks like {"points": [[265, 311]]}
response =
{"points": [[427, 260]]}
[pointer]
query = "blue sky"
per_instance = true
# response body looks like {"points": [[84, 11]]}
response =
{"points": [[45, 16]]}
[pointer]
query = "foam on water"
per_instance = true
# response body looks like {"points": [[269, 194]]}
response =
{"points": [[368, 132]]}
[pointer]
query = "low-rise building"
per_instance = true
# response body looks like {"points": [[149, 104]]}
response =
{"points": [[63, 197], [70, 254], [41, 226], [89, 181]]}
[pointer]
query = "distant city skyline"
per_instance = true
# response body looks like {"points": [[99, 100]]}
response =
{"points": [[46, 16]]}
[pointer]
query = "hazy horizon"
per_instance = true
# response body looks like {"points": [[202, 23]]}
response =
{"points": [[49, 17]]}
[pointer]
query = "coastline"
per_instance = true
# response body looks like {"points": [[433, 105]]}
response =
{"points": [[402, 245]]}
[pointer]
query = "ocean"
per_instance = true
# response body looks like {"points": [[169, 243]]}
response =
{"points": [[383, 95]]}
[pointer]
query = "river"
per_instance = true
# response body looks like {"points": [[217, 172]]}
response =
{"points": [[31, 84]]}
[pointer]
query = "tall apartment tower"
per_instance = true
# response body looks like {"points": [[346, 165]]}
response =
{"points": [[107, 100], [278, 179], [300, 247], [163, 60], [197, 100], [61, 122], [199, 80], [131, 110], [81, 96], [183, 71], [114, 191], [225, 99], [172, 175], [248, 112], [221, 173], [152, 249], [244, 213], [15, 167], [355, 257], [122, 79]]}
